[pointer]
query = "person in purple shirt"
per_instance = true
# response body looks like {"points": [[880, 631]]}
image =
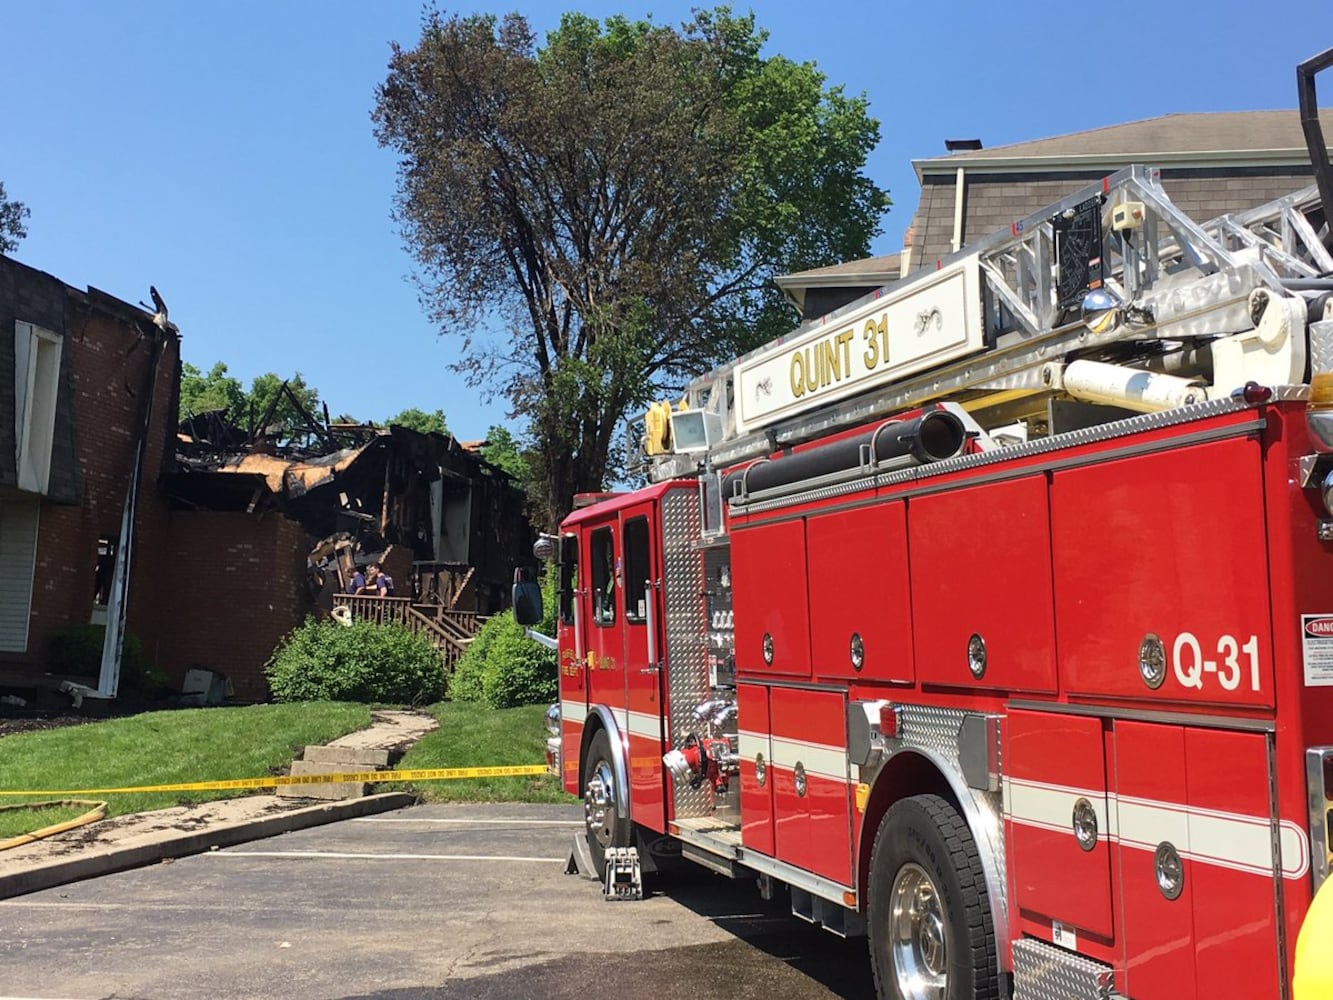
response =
{"points": [[379, 581], [358, 583]]}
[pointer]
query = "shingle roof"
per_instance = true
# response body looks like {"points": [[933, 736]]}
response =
{"points": [[1274, 136], [868, 267], [1219, 139], [869, 272]]}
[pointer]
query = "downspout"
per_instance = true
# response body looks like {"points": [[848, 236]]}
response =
{"points": [[957, 242]]}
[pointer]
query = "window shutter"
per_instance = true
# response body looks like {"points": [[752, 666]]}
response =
{"points": [[18, 558]]}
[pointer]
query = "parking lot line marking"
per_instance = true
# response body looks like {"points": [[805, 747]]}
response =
{"points": [[73, 904], [573, 824], [353, 856]]}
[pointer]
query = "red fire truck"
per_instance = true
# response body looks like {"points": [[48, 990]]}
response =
{"points": [[992, 615]]}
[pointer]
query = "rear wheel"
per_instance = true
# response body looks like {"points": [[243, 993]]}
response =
{"points": [[606, 827], [929, 919]]}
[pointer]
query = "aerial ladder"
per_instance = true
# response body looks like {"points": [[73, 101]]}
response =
{"points": [[1111, 297]]}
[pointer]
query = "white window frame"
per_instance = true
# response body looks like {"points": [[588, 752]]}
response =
{"points": [[36, 385]]}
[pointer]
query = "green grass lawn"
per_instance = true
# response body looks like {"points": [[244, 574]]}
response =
{"points": [[472, 735], [159, 748], [211, 744]]}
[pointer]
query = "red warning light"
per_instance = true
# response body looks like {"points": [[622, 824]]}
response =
{"points": [[1254, 393], [888, 722]]}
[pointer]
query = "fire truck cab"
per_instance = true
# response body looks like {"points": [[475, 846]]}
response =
{"points": [[992, 616]]}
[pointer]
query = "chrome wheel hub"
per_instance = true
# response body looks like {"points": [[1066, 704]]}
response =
{"points": [[599, 803], [918, 939]]}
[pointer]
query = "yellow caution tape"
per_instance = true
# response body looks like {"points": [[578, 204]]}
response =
{"points": [[420, 774]]}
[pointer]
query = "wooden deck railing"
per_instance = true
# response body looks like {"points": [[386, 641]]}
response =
{"points": [[449, 631], [373, 608]]}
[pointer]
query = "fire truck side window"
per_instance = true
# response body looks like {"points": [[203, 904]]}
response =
{"points": [[636, 570], [569, 576], [603, 577]]}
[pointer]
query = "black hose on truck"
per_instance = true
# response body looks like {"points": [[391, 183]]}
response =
{"points": [[933, 436]]}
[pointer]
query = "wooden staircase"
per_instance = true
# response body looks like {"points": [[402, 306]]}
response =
{"points": [[451, 632]]}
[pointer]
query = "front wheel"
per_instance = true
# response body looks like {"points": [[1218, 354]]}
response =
{"points": [[606, 827], [931, 936]]}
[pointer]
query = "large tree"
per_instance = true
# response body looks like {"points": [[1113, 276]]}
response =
{"points": [[12, 218], [419, 420], [216, 389], [502, 450], [620, 198]]}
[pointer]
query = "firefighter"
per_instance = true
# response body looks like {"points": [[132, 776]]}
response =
{"points": [[1314, 949]]}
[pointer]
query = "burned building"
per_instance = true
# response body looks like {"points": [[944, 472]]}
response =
{"points": [[448, 526], [212, 564]]}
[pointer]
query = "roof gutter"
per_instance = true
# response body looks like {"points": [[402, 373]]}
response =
{"points": [[840, 279], [1109, 161]]}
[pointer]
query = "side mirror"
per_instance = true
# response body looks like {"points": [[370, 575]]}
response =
{"points": [[527, 598]]}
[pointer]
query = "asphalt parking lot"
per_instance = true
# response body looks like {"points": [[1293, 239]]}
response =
{"points": [[434, 901]]}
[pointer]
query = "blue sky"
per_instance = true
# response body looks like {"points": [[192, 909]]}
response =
{"points": [[223, 151]]}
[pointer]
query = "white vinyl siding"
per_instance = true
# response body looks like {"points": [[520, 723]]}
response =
{"points": [[18, 558], [36, 382]]}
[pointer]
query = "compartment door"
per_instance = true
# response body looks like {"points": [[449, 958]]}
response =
{"points": [[1158, 935], [811, 792], [756, 752], [859, 558], [1171, 545], [770, 588], [981, 565], [1204, 795], [1057, 775], [1231, 843]]}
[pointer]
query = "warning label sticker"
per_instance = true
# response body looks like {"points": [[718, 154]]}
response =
{"points": [[1317, 649]]}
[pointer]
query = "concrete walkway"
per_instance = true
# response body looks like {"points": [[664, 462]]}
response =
{"points": [[390, 735], [146, 838]]}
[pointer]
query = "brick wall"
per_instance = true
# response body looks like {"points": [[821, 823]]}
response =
{"points": [[214, 589], [235, 586], [107, 359]]}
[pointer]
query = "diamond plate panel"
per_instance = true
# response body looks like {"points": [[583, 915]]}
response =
{"points": [[931, 728], [686, 630], [936, 729], [1044, 972], [1321, 346]]}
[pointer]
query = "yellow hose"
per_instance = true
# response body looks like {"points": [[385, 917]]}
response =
{"points": [[98, 811]]}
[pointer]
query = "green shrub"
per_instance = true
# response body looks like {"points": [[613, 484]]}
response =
{"points": [[519, 671], [503, 668], [466, 682], [365, 662], [76, 650]]}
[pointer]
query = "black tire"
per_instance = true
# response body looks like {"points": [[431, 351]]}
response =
{"points": [[925, 856], [605, 827]]}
